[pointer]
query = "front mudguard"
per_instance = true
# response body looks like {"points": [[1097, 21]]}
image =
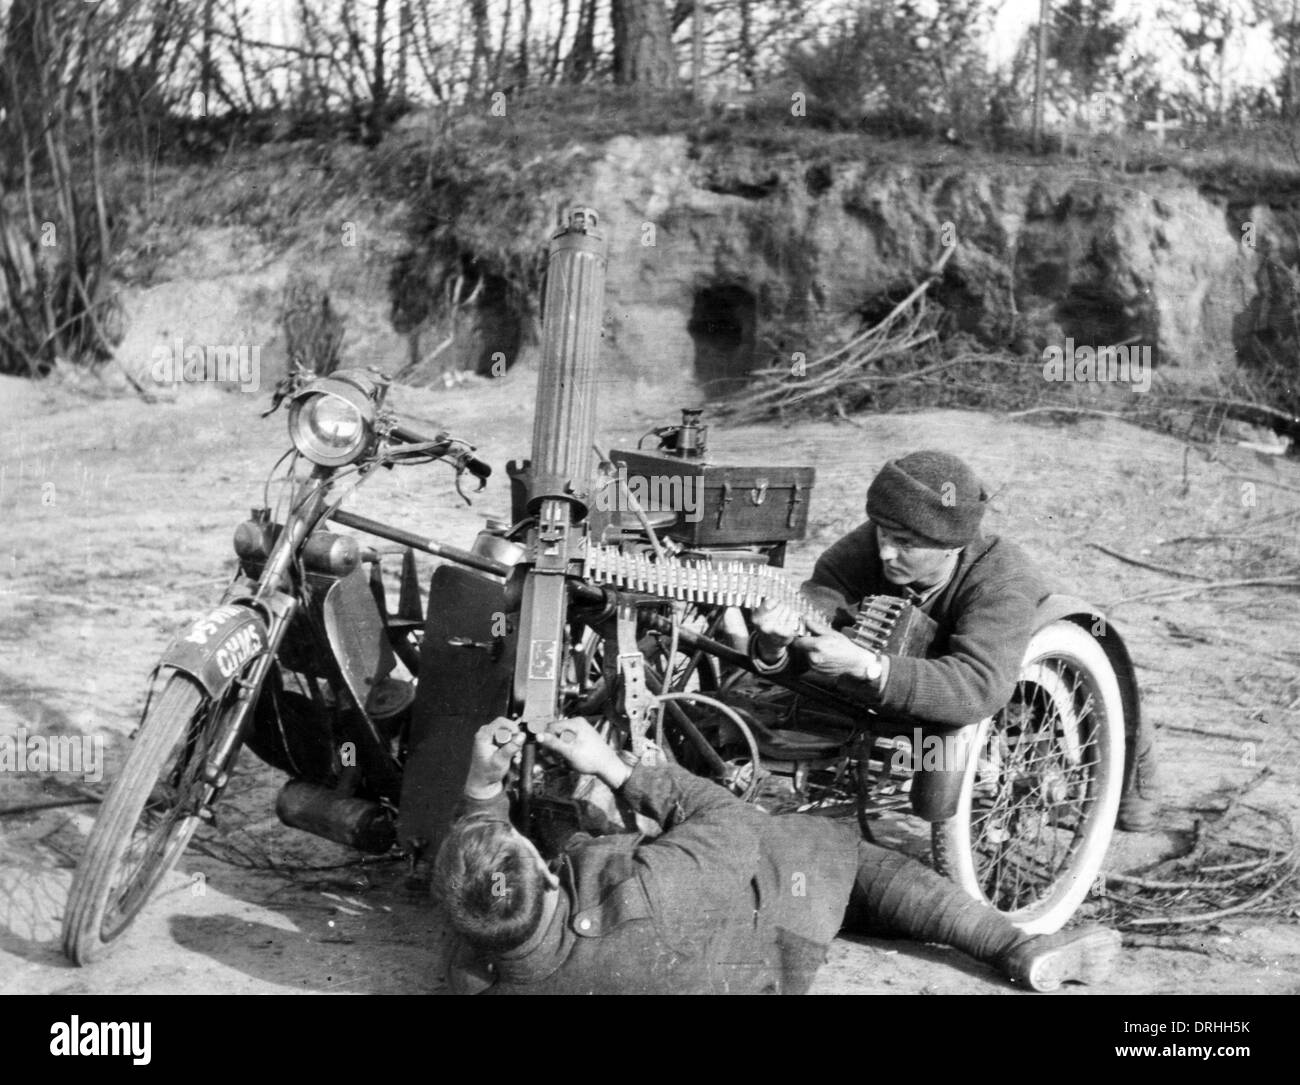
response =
{"points": [[214, 649], [1072, 609]]}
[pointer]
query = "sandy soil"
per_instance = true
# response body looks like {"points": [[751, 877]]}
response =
{"points": [[117, 518]]}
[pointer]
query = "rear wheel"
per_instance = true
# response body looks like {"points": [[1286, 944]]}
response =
{"points": [[147, 819], [1042, 785]]}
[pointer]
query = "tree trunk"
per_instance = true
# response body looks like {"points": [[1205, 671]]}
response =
{"points": [[405, 28], [582, 57], [378, 86], [643, 44], [524, 30], [746, 45], [205, 53], [697, 51], [499, 65], [478, 66], [1289, 109], [553, 73]]}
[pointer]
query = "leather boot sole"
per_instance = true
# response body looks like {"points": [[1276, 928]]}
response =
{"points": [[1086, 957], [1082, 956]]}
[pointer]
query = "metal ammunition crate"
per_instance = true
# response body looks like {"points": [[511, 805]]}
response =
{"points": [[715, 504]]}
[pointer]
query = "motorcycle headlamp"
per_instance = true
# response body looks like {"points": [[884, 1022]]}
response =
{"points": [[332, 420]]}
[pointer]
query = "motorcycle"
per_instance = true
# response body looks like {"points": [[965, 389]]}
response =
{"points": [[299, 662], [633, 617]]}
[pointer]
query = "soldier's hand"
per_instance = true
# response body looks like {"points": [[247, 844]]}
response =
{"points": [[776, 625], [581, 746], [490, 762], [832, 654]]}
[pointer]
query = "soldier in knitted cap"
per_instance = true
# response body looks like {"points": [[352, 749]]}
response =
{"points": [[922, 542]]}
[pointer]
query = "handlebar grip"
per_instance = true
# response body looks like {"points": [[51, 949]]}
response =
{"points": [[471, 463]]}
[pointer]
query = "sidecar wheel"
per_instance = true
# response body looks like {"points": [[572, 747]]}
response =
{"points": [[146, 821], [1042, 786]]}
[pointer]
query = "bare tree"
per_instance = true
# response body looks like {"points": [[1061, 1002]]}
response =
{"points": [[525, 28], [581, 61], [378, 84], [643, 44], [482, 43], [405, 29], [56, 299]]}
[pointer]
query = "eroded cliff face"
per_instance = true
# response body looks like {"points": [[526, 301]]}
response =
{"points": [[726, 258], [714, 258]]}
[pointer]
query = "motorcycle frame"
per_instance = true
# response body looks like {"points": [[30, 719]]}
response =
{"points": [[272, 605]]}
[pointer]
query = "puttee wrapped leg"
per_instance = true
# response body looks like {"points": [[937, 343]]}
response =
{"points": [[897, 895]]}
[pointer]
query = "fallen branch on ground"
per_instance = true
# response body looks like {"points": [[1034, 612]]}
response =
{"points": [[32, 807], [1214, 585], [1201, 918], [1146, 564]]}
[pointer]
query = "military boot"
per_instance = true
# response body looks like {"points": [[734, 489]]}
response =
{"points": [[1045, 961], [895, 895], [1139, 799]]}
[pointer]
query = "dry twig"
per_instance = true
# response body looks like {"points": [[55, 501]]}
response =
{"points": [[32, 807], [1166, 570], [1214, 585], [822, 380]]}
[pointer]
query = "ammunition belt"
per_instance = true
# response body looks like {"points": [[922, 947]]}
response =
{"points": [[885, 624], [711, 583], [888, 626]]}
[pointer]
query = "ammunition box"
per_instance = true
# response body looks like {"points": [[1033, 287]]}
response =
{"points": [[713, 504]]}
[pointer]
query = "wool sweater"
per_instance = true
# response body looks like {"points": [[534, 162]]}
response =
{"points": [[985, 615]]}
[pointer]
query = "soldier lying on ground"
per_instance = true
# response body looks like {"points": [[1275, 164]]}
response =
{"points": [[727, 899], [922, 542]]}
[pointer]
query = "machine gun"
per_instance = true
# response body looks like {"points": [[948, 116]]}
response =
{"points": [[601, 557], [585, 603]]}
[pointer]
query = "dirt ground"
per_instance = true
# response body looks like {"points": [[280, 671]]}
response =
{"points": [[115, 526]]}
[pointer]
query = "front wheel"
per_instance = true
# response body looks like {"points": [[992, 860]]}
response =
{"points": [[1042, 785], [147, 819]]}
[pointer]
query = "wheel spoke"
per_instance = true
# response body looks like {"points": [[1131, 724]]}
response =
{"points": [[172, 804], [1029, 819], [1039, 800]]}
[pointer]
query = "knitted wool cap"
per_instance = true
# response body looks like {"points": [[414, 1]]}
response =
{"points": [[931, 495]]}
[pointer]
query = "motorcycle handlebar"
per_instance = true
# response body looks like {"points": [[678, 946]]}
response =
{"points": [[407, 436], [476, 467]]}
